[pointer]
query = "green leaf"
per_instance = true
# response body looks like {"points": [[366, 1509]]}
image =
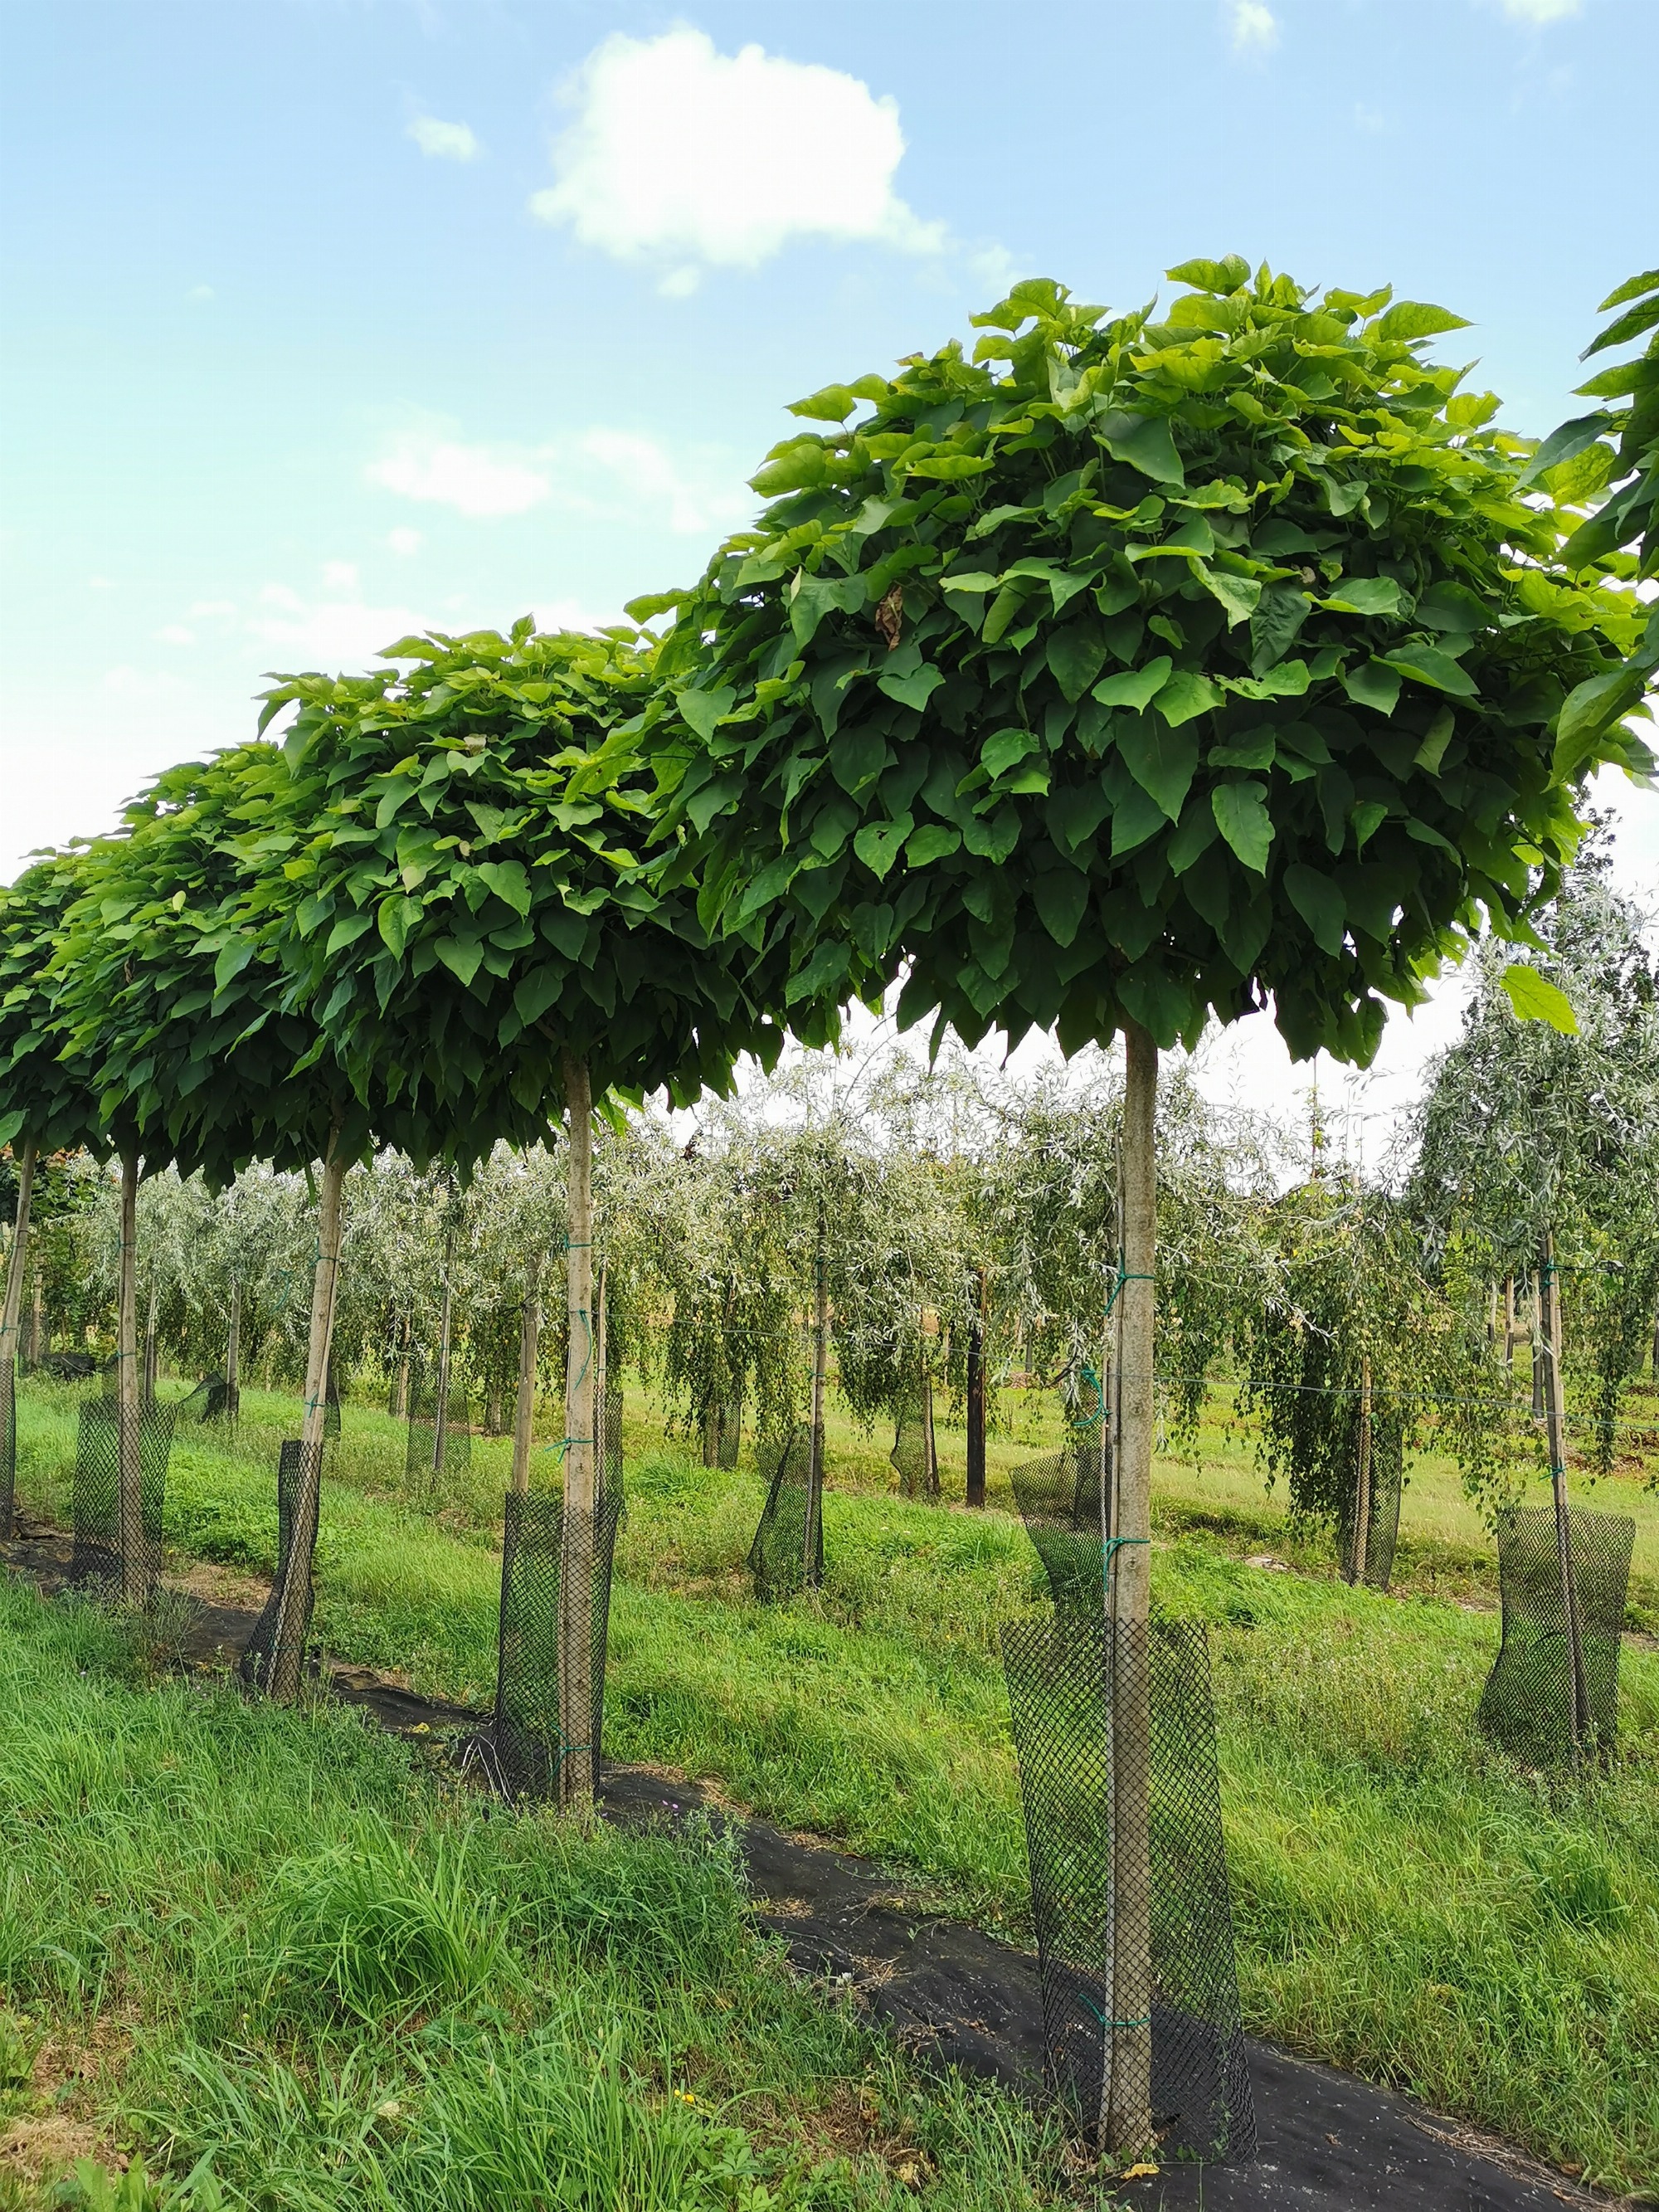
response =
{"points": [[1429, 664], [701, 710], [536, 992], [1187, 694], [915, 689], [1567, 442], [1535, 998], [1076, 655], [1144, 442], [878, 844], [1589, 709], [1061, 899], [1136, 687], [814, 597], [1373, 685], [934, 841], [1135, 818], [233, 958], [1363, 595], [1242, 817], [1451, 606], [1229, 274], [1432, 751], [396, 917], [1000, 753], [1273, 626], [506, 879], [1163, 760], [461, 956], [1319, 903], [349, 928], [1239, 595], [833, 404], [1413, 318]]}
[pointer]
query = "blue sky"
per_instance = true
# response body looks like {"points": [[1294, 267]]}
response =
{"points": [[328, 317]]}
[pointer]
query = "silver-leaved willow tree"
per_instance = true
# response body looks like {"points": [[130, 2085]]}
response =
{"points": [[1138, 671]]}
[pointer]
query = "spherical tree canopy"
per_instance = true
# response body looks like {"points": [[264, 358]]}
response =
{"points": [[1141, 669], [478, 895], [46, 1090]]}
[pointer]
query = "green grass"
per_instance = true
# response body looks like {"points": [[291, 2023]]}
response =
{"points": [[1407, 1903], [277, 1955]]}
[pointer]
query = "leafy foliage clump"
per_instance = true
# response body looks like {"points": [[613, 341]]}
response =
{"points": [[1140, 669]]}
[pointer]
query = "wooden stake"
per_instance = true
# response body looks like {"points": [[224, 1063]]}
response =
{"points": [[129, 1494], [523, 1407], [1548, 1354], [976, 1492], [1509, 1323], [601, 1381], [12, 1307], [152, 1349], [234, 1352], [1126, 2116], [578, 1768], [446, 1323], [1362, 1500], [293, 1605], [820, 1379]]}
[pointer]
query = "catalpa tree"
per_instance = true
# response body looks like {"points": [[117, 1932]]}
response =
{"points": [[1133, 671]]}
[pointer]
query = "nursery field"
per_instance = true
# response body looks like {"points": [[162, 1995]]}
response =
{"points": [[1409, 1904]]}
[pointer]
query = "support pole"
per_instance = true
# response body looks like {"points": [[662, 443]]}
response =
{"points": [[975, 1492], [1126, 2114], [234, 1352], [445, 1322], [820, 1378], [524, 1409], [293, 1604], [1549, 1352], [11, 1308], [1362, 1481], [578, 1767], [129, 1491]]}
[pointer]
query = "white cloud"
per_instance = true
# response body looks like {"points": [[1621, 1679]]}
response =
{"points": [[175, 634], [199, 292], [340, 576], [328, 633], [681, 153], [405, 543], [469, 478], [1255, 27], [602, 474], [444, 142], [1541, 11]]}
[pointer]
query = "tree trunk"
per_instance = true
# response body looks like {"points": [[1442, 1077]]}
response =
{"points": [[294, 1611], [233, 1353], [1362, 1481], [975, 1492], [128, 1477], [524, 1408], [12, 1308], [929, 1452], [1126, 2115], [152, 1350], [1537, 1352], [601, 1381], [37, 1317], [1509, 1323], [820, 1379], [578, 1769], [446, 1318], [1549, 1307], [399, 1406]]}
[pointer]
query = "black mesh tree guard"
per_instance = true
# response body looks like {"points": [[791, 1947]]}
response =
{"points": [[1074, 1683], [258, 1661], [1388, 1477], [1060, 1501], [209, 1401], [97, 1559], [1527, 1706], [7, 1448], [728, 1433], [332, 1403], [608, 1433], [785, 1556], [913, 1457], [527, 1748], [430, 1466]]}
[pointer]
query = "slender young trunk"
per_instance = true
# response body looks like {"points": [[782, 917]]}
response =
{"points": [[1126, 2114], [524, 1407], [129, 1491], [37, 1318], [294, 1610], [446, 1317], [929, 1455], [234, 1352], [975, 1493], [1655, 1347], [1549, 1304], [1509, 1323], [152, 1351], [1537, 1352], [399, 1407], [820, 1377], [11, 1308], [579, 1770], [601, 1382], [1362, 1480]]}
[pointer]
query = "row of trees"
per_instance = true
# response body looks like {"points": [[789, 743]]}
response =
{"points": [[1133, 672]]}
